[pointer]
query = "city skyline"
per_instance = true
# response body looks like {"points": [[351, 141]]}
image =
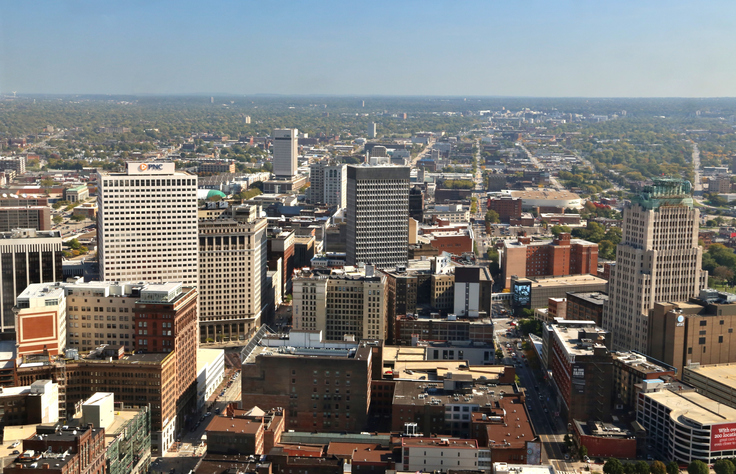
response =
{"points": [[570, 49]]}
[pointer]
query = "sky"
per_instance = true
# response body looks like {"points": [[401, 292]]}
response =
{"points": [[536, 48]]}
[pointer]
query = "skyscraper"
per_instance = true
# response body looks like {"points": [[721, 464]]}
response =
{"points": [[657, 260], [232, 261], [147, 224], [328, 183], [26, 256], [285, 151], [378, 215], [372, 130]]}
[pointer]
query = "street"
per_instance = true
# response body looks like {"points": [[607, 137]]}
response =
{"points": [[540, 403], [186, 453]]}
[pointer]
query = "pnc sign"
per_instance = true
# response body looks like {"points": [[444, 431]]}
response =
{"points": [[151, 167]]}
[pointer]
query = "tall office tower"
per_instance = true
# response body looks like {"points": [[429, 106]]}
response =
{"points": [[372, 130], [328, 183], [26, 256], [657, 260], [378, 215], [147, 224], [316, 307], [285, 151], [232, 273]]}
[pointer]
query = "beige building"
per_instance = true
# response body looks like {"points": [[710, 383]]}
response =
{"points": [[232, 273], [657, 260], [452, 213], [101, 313], [699, 331], [342, 302]]}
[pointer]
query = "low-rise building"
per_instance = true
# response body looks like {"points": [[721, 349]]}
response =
{"points": [[605, 440], [76, 193], [438, 454], [246, 432], [535, 292], [451, 213], [587, 305], [684, 425]]}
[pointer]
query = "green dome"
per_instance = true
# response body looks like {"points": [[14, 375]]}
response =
{"points": [[214, 192]]}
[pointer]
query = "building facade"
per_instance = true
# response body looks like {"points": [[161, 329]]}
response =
{"points": [[147, 224], [328, 184], [378, 215], [26, 257], [340, 303], [285, 152], [658, 259], [699, 331], [563, 256], [232, 274]]}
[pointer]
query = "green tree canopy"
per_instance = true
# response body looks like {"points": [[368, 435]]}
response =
{"points": [[724, 466], [492, 217], [613, 466], [658, 467], [559, 229], [673, 467], [697, 467]]}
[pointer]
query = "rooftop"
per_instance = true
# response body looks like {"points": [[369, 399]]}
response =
{"points": [[693, 406], [546, 193], [419, 393], [724, 374], [566, 280], [234, 425], [594, 297], [576, 346], [453, 443], [642, 363]]}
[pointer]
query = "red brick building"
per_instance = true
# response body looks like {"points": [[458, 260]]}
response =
{"points": [[561, 257], [506, 430], [86, 448], [507, 207]]}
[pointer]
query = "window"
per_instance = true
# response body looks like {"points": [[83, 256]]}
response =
{"points": [[701, 340], [704, 323], [720, 339]]}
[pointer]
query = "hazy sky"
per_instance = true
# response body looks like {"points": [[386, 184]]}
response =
{"points": [[460, 47]]}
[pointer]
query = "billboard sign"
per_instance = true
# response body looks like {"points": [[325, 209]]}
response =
{"points": [[723, 437]]}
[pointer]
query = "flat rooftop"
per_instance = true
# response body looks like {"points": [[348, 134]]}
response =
{"points": [[575, 346], [420, 393], [567, 280], [593, 297], [41, 290], [454, 443], [724, 374], [641, 363], [546, 193], [694, 406]]}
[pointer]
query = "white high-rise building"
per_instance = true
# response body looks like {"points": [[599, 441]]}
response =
{"points": [[147, 224], [285, 151], [372, 132], [378, 215], [658, 260], [328, 183]]}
